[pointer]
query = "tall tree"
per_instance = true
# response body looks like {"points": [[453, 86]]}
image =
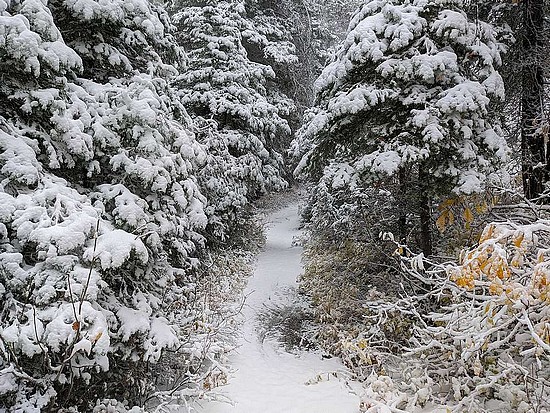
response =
{"points": [[222, 88], [408, 98], [535, 148]]}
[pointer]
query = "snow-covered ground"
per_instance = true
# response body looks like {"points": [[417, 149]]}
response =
{"points": [[266, 378]]}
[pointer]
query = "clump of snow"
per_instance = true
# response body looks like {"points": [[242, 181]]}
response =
{"points": [[115, 247]]}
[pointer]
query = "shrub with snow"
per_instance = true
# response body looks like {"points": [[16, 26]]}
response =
{"points": [[491, 343], [101, 211]]}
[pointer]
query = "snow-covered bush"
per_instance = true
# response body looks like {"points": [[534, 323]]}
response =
{"points": [[466, 336], [490, 343], [101, 211]]}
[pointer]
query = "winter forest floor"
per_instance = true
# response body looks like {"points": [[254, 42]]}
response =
{"points": [[265, 376]]}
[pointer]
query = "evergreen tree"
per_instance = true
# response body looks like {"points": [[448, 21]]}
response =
{"points": [[407, 99], [101, 212], [222, 88], [268, 40]]}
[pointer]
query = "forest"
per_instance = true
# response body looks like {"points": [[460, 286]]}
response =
{"points": [[142, 140]]}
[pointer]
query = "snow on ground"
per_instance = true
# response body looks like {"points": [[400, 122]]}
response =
{"points": [[266, 378]]}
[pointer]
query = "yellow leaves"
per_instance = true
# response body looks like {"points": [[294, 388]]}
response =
{"points": [[460, 206], [481, 207], [541, 283], [485, 262], [448, 203], [518, 240], [485, 345], [466, 282], [501, 270], [464, 279], [507, 255], [441, 223], [446, 218], [468, 216], [517, 260], [359, 350]]}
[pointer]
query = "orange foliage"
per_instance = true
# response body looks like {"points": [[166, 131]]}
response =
{"points": [[505, 257]]}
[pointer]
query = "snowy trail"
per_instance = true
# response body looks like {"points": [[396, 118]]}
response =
{"points": [[268, 379]]}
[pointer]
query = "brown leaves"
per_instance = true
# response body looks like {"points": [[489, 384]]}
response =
{"points": [[97, 337]]}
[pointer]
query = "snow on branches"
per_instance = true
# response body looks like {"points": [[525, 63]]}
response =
{"points": [[484, 345], [110, 192], [241, 123], [101, 214], [408, 99], [493, 329]]}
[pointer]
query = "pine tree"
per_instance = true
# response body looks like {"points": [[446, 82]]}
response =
{"points": [[101, 212], [222, 88], [407, 99], [268, 40]]}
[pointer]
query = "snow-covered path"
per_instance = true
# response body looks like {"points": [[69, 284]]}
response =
{"points": [[267, 379]]}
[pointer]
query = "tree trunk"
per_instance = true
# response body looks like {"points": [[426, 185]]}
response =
{"points": [[426, 242], [403, 196], [534, 149]]}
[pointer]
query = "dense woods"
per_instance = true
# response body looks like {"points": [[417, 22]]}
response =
{"points": [[136, 137]]}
